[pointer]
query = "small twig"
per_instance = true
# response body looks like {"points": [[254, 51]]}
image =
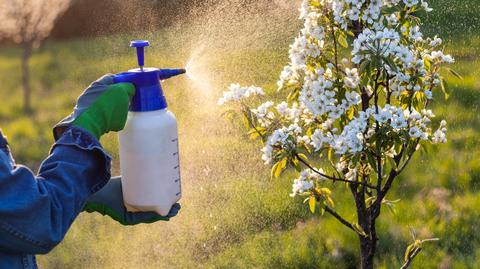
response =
{"points": [[410, 258], [335, 52], [333, 178], [409, 157], [389, 92], [251, 123]]}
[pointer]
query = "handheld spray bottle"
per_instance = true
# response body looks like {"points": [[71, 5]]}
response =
{"points": [[149, 155]]}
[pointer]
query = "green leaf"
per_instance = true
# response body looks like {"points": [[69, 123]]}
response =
{"points": [[342, 39], [392, 209], [330, 154], [363, 66], [296, 165], [370, 200], [412, 248], [312, 202], [329, 201], [324, 191], [372, 161], [351, 113], [280, 167], [391, 63], [392, 162], [408, 252], [274, 170], [256, 133], [303, 157], [427, 63], [293, 96], [455, 73], [443, 86], [246, 122]]}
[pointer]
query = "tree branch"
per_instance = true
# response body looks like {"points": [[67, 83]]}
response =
{"points": [[333, 178], [339, 218], [394, 173]]}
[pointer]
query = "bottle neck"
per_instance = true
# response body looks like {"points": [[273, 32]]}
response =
{"points": [[147, 99]]}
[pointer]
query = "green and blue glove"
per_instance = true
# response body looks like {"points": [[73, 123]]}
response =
{"points": [[102, 107], [109, 201]]}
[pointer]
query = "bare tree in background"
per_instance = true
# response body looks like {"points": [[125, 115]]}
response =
{"points": [[28, 23]]}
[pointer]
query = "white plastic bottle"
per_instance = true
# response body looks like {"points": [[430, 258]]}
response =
{"points": [[149, 157], [149, 160]]}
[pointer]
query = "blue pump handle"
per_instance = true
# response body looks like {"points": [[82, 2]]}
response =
{"points": [[140, 46]]}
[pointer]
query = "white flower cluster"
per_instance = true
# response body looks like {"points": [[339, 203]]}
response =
{"points": [[385, 42], [285, 138], [356, 133], [236, 92], [306, 182], [263, 114], [319, 96], [290, 113]]}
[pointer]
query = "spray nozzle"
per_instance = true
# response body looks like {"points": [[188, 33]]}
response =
{"points": [[164, 74], [140, 45]]}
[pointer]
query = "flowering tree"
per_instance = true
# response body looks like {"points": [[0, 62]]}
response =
{"points": [[29, 22], [359, 84]]}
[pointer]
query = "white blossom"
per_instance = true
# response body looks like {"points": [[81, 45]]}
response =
{"points": [[264, 116], [236, 92], [440, 136], [306, 181], [428, 94], [352, 79]]}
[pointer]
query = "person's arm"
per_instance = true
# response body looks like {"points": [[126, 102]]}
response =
{"points": [[37, 211]]}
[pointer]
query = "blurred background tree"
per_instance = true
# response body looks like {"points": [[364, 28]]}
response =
{"points": [[28, 23]]}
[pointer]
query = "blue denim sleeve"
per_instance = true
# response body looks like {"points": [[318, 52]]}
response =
{"points": [[37, 210]]}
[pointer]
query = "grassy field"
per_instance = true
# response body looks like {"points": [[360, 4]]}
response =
{"points": [[234, 215]]}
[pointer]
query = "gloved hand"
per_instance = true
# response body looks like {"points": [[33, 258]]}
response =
{"points": [[109, 201], [102, 107]]}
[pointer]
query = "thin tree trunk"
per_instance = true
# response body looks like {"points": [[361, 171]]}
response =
{"points": [[27, 52], [367, 221], [367, 250]]}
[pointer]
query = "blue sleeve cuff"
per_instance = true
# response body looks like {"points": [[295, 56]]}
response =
{"points": [[4, 144], [82, 139]]}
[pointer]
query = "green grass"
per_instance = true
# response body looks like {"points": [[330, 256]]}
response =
{"points": [[234, 215]]}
